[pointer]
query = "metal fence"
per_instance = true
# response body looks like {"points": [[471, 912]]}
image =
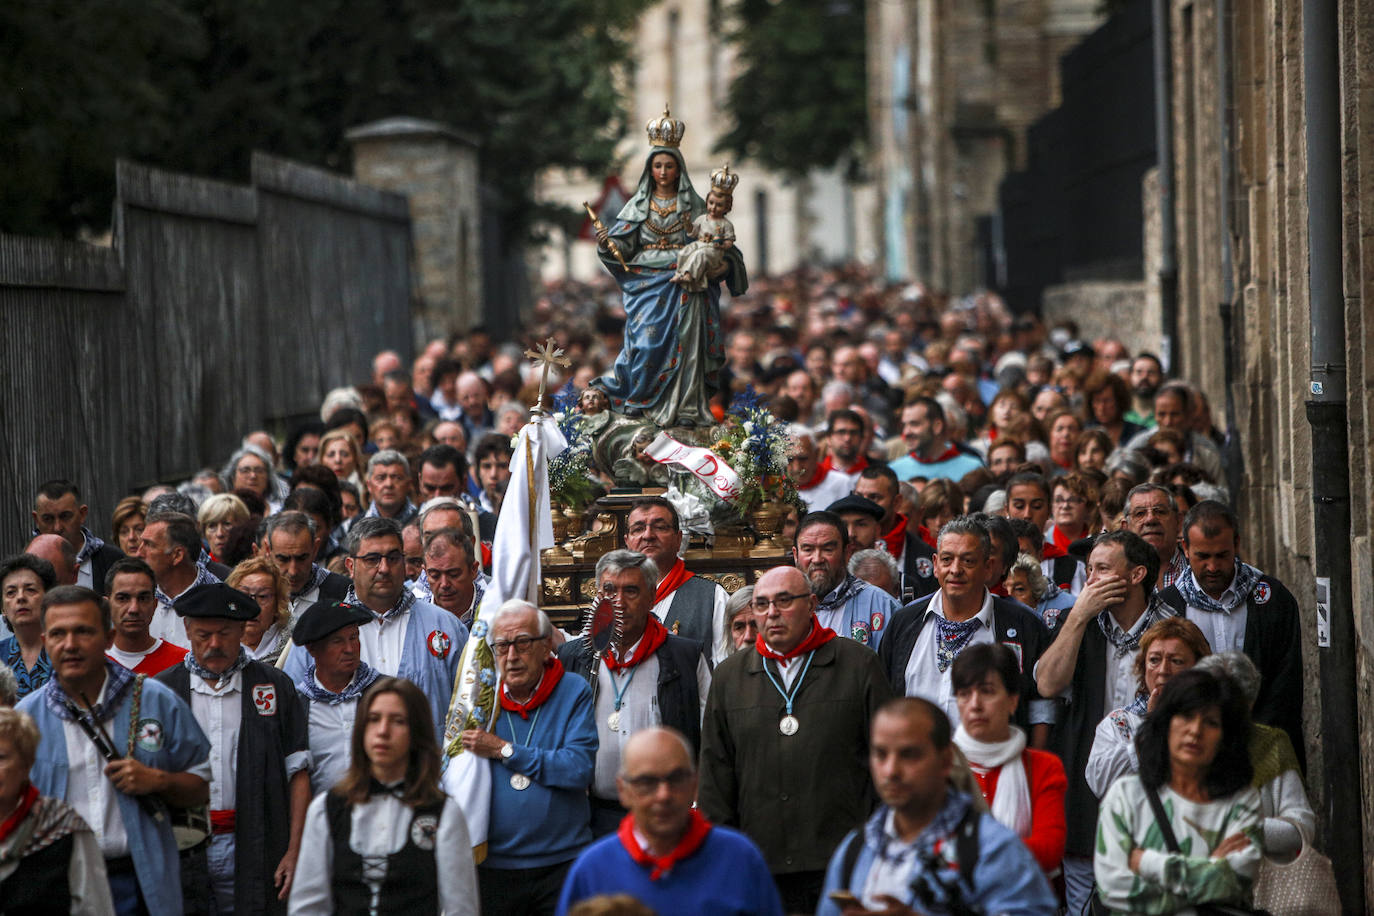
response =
{"points": [[219, 308], [1075, 212]]}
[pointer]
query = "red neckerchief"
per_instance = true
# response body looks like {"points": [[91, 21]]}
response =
{"points": [[1066, 465], [553, 673], [486, 555], [655, 634], [670, 582], [697, 829], [816, 478], [1052, 551], [26, 801], [896, 538], [818, 637], [946, 455], [829, 465], [924, 534], [1060, 539]]}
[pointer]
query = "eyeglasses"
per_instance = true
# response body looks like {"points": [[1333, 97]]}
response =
{"points": [[1069, 501], [647, 784], [782, 602], [657, 527], [375, 559], [522, 644], [261, 597], [250, 470]]}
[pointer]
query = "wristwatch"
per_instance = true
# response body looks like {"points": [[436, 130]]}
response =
{"points": [[507, 751]]}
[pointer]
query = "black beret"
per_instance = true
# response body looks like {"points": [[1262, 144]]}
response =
{"points": [[856, 503], [326, 617], [215, 599]]}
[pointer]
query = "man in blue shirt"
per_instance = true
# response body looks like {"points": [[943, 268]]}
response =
{"points": [[666, 854], [930, 454], [926, 847]]}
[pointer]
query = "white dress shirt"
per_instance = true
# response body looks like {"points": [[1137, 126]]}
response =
{"points": [[382, 645], [638, 711], [331, 731], [923, 675], [220, 714], [1225, 632]]}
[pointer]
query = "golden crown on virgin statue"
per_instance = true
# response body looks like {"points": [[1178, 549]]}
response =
{"points": [[665, 131], [724, 180]]}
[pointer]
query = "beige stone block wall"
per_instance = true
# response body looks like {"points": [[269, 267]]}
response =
{"points": [[1103, 309]]}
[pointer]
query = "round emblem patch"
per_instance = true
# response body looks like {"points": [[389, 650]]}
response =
{"points": [[1262, 593], [149, 735], [924, 568], [439, 644], [876, 621], [859, 632], [423, 830], [1051, 616]]}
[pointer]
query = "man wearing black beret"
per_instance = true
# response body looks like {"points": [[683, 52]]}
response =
{"points": [[334, 679], [244, 704]]}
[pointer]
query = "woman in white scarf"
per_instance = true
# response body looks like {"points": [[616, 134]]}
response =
{"points": [[1024, 788]]}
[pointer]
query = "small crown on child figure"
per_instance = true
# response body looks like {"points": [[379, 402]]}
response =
{"points": [[724, 180], [665, 131]]}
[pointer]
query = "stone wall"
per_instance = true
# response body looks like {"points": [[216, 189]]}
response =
{"points": [[1270, 342], [437, 168]]}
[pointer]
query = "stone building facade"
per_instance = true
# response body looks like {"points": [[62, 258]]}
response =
{"points": [[953, 85], [683, 59]]}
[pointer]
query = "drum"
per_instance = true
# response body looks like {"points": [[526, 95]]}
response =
{"points": [[190, 827]]}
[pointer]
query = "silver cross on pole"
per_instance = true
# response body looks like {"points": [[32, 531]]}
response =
{"points": [[546, 356]]}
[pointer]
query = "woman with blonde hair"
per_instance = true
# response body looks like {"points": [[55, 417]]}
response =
{"points": [[265, 636], [386, 839], [343, 455], [217, 517]]}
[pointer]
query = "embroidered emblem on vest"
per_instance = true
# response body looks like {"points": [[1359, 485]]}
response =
{"points": [[876, 621], [439, 644], [859, 632], [1262, 593], [924, 569], [149, 735], [423, 830], [265, 699]]}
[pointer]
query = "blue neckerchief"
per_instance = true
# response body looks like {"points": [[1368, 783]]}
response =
{"points": [[1247, 577], [317, 576], [120, 679], [847, 589], [362, 679], [1140, 705], [88, 549], [403, 604], [203, 577], [220, 680], [1126, 643]]}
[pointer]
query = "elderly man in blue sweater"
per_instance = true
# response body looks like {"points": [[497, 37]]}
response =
{"points": [[666, 854], [927, 849], [542, 750]]}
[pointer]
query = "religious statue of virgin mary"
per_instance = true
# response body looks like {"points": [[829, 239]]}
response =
{"points": [[669, 365]]}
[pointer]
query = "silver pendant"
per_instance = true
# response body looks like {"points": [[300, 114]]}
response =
{"points": [[613, 721], [519, 782], [789, 725]]}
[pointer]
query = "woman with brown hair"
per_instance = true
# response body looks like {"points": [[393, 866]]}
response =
{"points": [[1108, 399], [126, 524], [386, 839]]}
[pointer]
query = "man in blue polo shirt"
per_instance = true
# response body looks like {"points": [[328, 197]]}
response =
{"points": [[930, 454]]}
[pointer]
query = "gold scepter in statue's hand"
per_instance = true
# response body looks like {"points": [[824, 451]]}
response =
{"points": [[611, 246]]}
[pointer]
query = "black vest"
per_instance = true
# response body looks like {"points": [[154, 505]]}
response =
{"points": [[411, 884], [690, 613], [679, 700], [39, 885]]}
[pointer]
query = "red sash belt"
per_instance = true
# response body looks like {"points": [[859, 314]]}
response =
{"points": [[222, 821]]}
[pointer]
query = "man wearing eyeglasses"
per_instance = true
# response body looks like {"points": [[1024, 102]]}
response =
{"points": [[665, 854], [645, 677], [689, 605], [542, 753], [408, 638], [785, 737], [1152, 513], [844, 445]]}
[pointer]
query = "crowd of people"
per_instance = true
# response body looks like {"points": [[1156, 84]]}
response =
{"points": [[1013, 663]]}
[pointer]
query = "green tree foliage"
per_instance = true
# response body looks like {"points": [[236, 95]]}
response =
{"points": [[799, 101], [196, 85]]}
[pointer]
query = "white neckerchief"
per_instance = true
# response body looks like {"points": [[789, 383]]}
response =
{"points": [[1011, 806]]}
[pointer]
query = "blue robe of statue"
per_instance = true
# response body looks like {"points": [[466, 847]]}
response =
{"points": [[670, 363]]}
